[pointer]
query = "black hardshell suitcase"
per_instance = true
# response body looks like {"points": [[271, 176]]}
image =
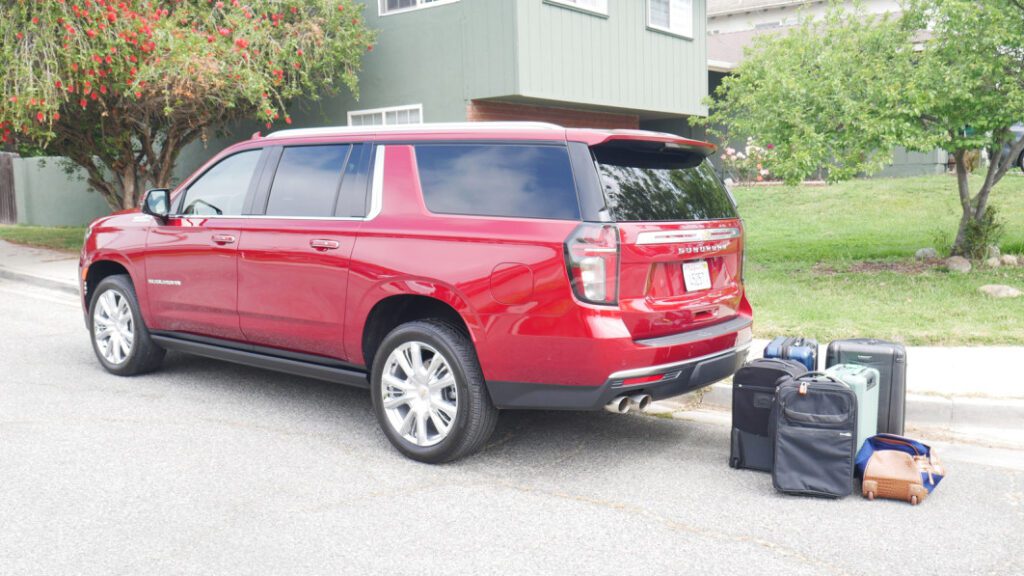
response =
{"points": [[890, 359], [814, 423], [753, 393]]}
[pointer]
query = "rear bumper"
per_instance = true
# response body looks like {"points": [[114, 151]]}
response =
{"points": [[676, 378]]}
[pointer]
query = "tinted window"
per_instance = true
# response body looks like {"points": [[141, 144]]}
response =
{"points": [[645, 186], [222, 189], [307, 180], [354, 198], [498, 180]]}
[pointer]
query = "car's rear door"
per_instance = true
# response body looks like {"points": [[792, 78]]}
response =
{"points": [[295, 254], [681, 239], [191, 259]]}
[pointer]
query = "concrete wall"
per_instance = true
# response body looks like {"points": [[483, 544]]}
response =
{"points": [[48, 196]]}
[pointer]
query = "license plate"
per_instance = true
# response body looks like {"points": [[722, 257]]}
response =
{"points": [[696, 275]]}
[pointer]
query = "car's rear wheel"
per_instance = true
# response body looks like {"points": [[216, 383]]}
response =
{"points": [[119, 335], [429, 393]]}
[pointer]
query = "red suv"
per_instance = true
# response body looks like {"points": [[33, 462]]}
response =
{"points": [[453, 270]]}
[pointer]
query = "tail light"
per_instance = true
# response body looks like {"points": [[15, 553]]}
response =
{"points": [[592, 260]]}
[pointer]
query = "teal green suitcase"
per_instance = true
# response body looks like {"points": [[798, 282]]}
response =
{"points": [[863, 380]]}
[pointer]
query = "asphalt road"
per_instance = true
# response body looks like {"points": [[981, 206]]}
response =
{"points": [[211, 468]]}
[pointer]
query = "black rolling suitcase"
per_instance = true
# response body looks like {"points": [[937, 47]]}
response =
{"points": [[890, 359], [753, 393], [814, 423]]}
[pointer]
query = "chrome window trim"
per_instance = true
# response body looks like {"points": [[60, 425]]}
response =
{"points": [[683, 236], [376, 202], [377, 186]]}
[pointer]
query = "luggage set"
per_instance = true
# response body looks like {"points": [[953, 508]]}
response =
{"points": [[815, 431]]}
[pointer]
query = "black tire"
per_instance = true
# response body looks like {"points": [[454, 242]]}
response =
{"points": [[145, 355], [476, 415]]}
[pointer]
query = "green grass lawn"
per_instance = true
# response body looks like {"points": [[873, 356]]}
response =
{"points": [[837, 261], [68, 239]]}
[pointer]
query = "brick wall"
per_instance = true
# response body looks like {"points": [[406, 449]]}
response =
{"points": [[488, 111]]}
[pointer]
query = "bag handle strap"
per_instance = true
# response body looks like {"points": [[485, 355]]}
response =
{"points": [[894, 441], [815, 374]]}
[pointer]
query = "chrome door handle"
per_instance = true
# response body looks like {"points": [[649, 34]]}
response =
{"points": [[323, 245], [223, 239]]}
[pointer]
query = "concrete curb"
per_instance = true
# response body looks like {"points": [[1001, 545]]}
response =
{"points": [[49, 283], [1001, 420]]}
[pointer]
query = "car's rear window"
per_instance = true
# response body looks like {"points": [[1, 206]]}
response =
{"points": [[652, 185], [511, 180]]}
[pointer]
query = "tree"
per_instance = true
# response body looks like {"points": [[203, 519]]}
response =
{"points": [[120, 87], [842, 92]]}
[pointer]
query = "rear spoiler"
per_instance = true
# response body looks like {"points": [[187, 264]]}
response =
{"points": [[668, 141]]}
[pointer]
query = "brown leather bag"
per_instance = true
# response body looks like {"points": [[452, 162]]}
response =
{"points": [[897, 475]]}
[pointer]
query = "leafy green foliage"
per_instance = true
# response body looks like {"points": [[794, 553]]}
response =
{"points": [[842, 92], [982, 233], [120, 87], [815, 94]]}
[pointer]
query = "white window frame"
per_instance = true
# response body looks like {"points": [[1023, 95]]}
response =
{"points": [[384, 114], [601, 10], [670, 31], [420, 5]]}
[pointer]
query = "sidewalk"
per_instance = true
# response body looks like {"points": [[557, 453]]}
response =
{"points": [[973, 394], [968, 393], [39, 266]]}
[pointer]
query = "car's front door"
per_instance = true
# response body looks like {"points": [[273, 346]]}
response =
{"points": [[294, 259], [192, 258]]}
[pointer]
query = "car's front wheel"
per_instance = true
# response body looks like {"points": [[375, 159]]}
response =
{"points": [[429, 393], [119, 335]]}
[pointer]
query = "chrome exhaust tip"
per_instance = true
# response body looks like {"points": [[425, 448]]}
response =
{"points": [[640, 402], [618, 405]]}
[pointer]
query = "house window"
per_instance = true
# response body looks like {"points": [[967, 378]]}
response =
{"points": [[393, 6], [387, 116], [599, 6], [673, 16]]}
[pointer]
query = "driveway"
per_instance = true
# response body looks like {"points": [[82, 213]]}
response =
{"points": [[211, 468]]}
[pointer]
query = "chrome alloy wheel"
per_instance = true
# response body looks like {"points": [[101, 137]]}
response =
{"points": [[113, 327], [418, 393]]}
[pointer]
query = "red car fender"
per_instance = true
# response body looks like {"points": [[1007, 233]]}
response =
{"points": [[412, 286]]}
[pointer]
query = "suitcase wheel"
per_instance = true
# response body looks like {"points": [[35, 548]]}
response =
{"points": [[871, 495], [913, 500]]}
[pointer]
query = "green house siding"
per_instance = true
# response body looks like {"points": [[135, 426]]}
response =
{"points": [[521, 51], [615, 61], [527, 50]]}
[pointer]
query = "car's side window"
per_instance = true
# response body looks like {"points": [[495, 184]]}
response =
{"points": [[307, 180], [518, 181], [222, 189]]}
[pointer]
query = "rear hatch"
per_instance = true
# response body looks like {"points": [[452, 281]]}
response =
{"points": [[680, 237]]}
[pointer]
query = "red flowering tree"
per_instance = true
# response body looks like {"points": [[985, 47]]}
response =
{"points": [[121, 87]]}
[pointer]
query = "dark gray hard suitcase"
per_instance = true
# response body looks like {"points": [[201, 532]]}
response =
{"points": [[814, 421], [890, 359], [753, 393]]}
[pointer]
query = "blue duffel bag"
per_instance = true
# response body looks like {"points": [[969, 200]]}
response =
{"points": [[931, 469]]}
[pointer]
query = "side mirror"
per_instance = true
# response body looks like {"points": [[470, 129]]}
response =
{"points": [[157, 203]]}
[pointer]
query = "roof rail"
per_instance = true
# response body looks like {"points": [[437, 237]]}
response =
{"points": [[443, 126]]}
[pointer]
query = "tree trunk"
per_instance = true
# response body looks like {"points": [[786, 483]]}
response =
{"points": [[129, 187], [964, 188]]}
